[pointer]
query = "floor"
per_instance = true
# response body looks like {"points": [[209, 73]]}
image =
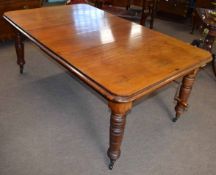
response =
{"points": [[52, 124]]}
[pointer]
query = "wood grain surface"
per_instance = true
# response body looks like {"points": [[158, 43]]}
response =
{"points": [[120, 59]]}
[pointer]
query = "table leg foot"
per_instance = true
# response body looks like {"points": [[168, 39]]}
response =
{"points": [[21, 69], [117, 126], [19, 45], [175, 119], [184, 94], [112, 162]]}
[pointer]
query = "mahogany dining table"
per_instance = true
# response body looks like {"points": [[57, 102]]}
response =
{"points": [[121, 60]]}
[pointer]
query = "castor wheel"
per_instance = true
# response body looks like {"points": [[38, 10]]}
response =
{"points": [[175, 119], [111, 164]]}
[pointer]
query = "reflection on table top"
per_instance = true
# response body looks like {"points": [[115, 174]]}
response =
{"points": [[123, 58]]}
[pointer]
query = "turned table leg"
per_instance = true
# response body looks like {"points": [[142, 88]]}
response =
{"points": [[117, 125], [184, 94], [20, 50]]}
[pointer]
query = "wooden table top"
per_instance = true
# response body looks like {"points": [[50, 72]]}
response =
{"points": [[120, 59]]}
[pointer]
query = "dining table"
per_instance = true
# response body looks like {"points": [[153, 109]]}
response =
{"points": [[121, 60]]}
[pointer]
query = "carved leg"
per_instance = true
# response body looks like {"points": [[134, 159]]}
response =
{"points": [[20, 50], [117, 125], [184, 94]]}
